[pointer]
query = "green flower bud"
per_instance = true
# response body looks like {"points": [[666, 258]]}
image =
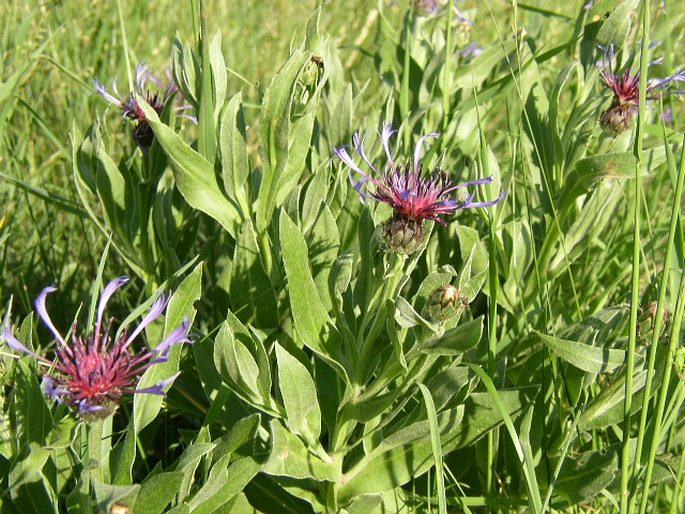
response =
{"points": [[446, 302], [402, 235]]}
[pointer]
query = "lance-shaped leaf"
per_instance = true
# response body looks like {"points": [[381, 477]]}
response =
{"points": [[157, 491], [195, 176], [290, 457], [278, 136], [235, 165], [408, 453], [456, 340], [224, 482], [312, 322], [298, 391], [588, 358]]}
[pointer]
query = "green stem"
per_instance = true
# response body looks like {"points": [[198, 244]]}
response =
{"points": [[95, 431], [404, 90], [377, 307], [676, 496], [626, 470], [446, 71], [658, 321]]}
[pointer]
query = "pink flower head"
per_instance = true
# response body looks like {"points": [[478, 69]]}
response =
{"points": [[412, 195], [130, 108], [625, 88], [91, 371]]}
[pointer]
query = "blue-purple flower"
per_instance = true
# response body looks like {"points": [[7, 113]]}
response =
{"points": [[625, 88], [91, 371], [157, 98], [413, 196]]}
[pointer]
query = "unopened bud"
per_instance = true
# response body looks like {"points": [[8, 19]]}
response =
{"points": [[120, 508], [402, 235], [446, 302]]}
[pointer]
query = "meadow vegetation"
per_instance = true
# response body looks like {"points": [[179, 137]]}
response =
{"points": [[383, 256]]}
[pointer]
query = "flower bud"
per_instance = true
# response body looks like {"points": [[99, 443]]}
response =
{"points": [[120, 508], [446, 302], [617, 119], [402, 235]]}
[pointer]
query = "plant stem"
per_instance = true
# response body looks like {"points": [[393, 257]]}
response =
{"points": [[628, 471], [658, 322], [446, 70]]}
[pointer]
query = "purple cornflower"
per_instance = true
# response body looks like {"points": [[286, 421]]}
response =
{"points": [[92, 373], [626, 90], [413, 196], [130, 108]]}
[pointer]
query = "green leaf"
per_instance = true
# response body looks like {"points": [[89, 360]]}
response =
{"points": [[32, 416], [181, 307], [475, 72], [469, 241], [290, 458], [106, 495], [323, 244], [436, 447], [312, 322], [276, 135], [364, 504], [593, 169], [251, 292], [224, 482], [236, 365], [188, 463], [588, 358], [242, 433], [615, 28], [183, 66], [407, 317], [585, 476], [433, 281], [29, 488], [235, 165], [450, 384], [298, 391], [606, 408], [408, 453], [195, 176], [157, 491], [457, 340]]}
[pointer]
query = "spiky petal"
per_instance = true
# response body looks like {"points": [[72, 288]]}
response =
{"points": [[92, 371], [130, 106], [414, 197], [625, 88], [404, 187]]}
